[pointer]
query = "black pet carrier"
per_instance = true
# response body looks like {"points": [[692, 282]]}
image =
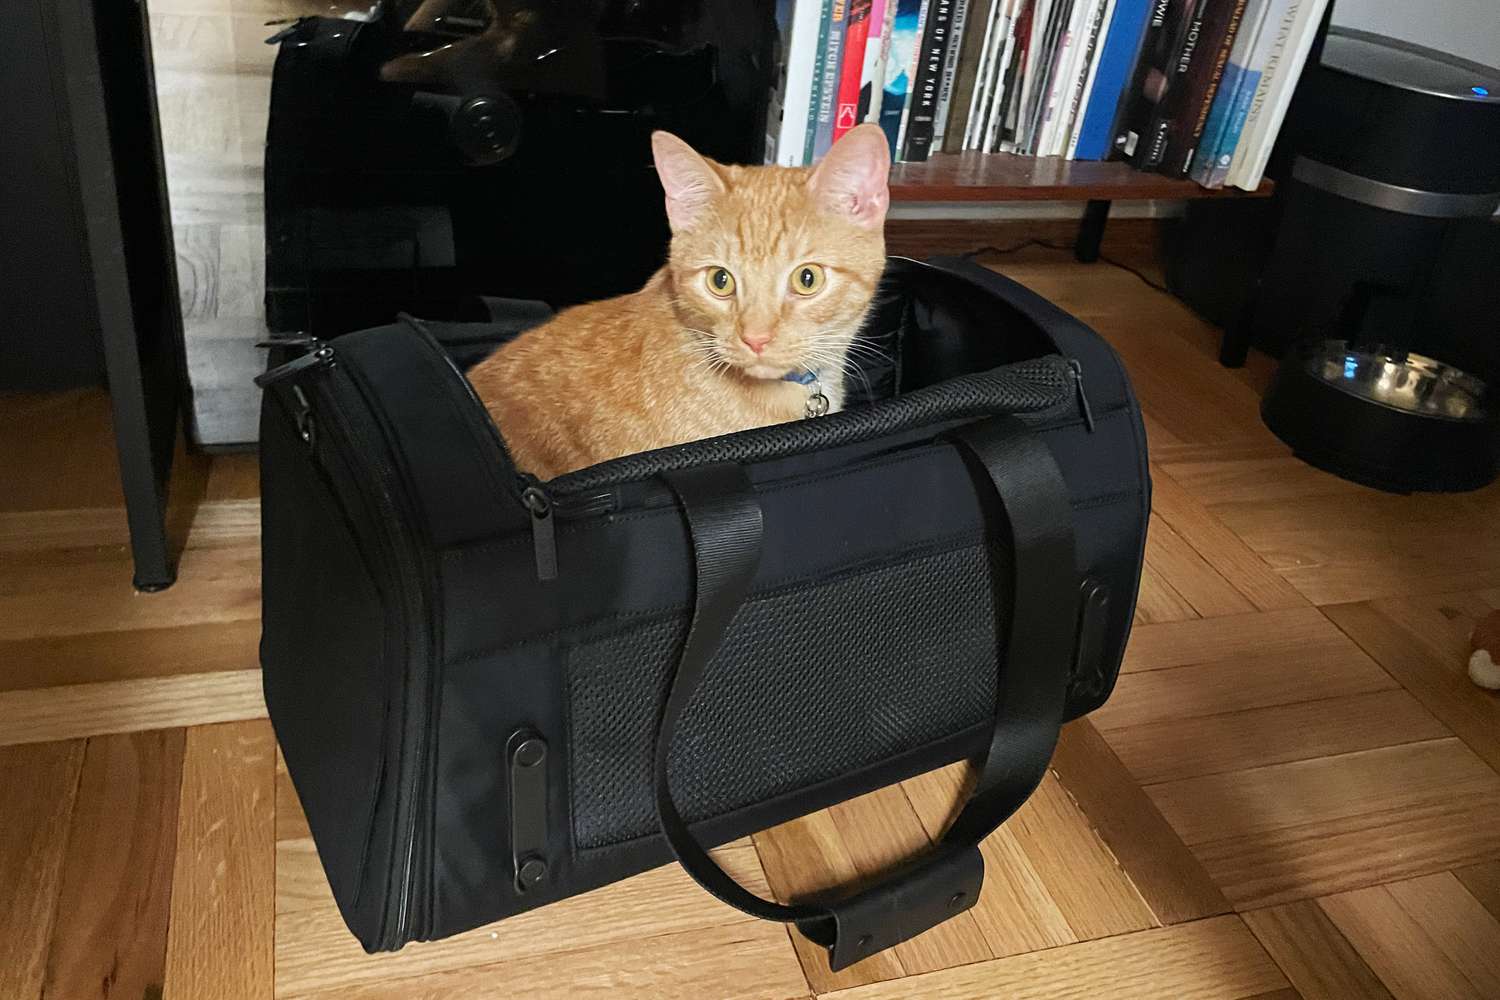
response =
{"points": [[494, 693]]}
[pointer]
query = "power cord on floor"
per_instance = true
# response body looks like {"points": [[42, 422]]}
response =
{"points": [[1145, 279]]}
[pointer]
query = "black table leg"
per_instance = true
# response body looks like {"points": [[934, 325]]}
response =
{"points": [[1234, 348], [1091, 231]]}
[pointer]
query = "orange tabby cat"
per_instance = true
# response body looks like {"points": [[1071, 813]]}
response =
{"points": [[770, 273]]}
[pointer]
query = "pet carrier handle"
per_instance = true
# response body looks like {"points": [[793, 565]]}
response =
{"points": [[724, 522]]}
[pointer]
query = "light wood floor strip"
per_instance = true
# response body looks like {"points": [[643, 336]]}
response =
{"points": [[316, 953], [1169, 878], [1206, 592], [1397, 947], [41, 596], [1015, 912], [220, 943], [882, 832], [807, 856], [219, 522], [1297, 633], [43, 714], [1462, 928], [1173, 749], [1220, 547], [98, 657], [1313, 954], [1219, 806], [1483, 883], [1442, 686], [1213, 959], [749, 960], [1158, 601], [110, 936], [1238, 684], [37, 788]]}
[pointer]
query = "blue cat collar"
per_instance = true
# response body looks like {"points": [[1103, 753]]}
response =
{"points": [[801, 378]]}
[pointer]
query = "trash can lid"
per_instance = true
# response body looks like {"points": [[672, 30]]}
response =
{"points": [[1409, 67]]}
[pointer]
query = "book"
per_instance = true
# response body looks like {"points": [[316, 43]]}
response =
{"points": [[1088, 64], [990, 76], [982, 55], [950, 73], [1122, 41], [1274, 93], [877, 48], [799, 55], [897, 86], [1200, 73], [1059, 91], [828, 88], [777, 99], [1143, 137], [1227, 117], [911, 74], [1032, 72], [922, 105], [815, 101], [851, 65], [1009, 94]]}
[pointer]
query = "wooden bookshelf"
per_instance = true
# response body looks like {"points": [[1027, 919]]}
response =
{"points": [[1007, 177]]}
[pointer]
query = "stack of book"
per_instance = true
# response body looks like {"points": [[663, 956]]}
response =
{"points": [[1188, 88]]}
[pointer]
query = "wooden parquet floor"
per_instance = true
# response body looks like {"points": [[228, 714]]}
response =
{"points": [[1293, 791]]}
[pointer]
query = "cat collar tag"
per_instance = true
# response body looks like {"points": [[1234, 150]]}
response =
{"points": [[817, 403]]}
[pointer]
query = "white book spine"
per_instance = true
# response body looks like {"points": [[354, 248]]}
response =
{"points": [[1060, 90], [1286, 86], [1266, 59], [801, 55], [981, 78], [1007, 53], [1074, 131], [1034, 69], [950, 70]]}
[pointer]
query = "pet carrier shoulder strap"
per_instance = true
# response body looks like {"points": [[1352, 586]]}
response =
{"points": [[724, 521]]}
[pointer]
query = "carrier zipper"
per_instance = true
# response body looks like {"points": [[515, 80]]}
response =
{"points": [[318, 356], [545, 509], [1083, 399], [408, 567]]}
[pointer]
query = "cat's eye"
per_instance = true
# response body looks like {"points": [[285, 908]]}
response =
{"points": [[720, 282], [808, 279]]}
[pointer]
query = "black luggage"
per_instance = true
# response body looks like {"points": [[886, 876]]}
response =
{"points": [[493, 693]]}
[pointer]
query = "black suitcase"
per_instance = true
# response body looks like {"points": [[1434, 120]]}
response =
{"points": [[493, 693]]}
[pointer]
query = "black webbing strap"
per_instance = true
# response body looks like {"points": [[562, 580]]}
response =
{"points": [[724, 521]]}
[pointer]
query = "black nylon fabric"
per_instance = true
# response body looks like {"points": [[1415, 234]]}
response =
{"points": [[396, 730]]}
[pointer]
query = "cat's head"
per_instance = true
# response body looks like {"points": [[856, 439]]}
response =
{"points": [[773, 268]]}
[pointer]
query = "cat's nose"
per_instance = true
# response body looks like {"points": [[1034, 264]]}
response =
{"points": [[756, 341]]}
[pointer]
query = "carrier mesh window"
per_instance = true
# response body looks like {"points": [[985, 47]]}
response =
{"points": [[810, 683]]}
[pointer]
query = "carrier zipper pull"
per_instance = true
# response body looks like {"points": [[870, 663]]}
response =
{"points": [[1083, 399], [543, 532], [321, 358]]}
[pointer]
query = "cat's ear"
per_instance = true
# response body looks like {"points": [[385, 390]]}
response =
{"points": [[689, 180], [854, 178]]}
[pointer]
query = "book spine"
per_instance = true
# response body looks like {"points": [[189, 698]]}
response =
{"points": [[1046, 75], [990, 81], [829, 93], [1162, 83], [797, 96], [852, 63], [949, 76], [1008, 95], [1286, 86], [911, 75], [1216, 147], [924, 92], [1027, 72], [974, 117], [877, 47], [815, 99], [1201, 83], [1265, 60], [1088, 69], [1122, 42]]}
